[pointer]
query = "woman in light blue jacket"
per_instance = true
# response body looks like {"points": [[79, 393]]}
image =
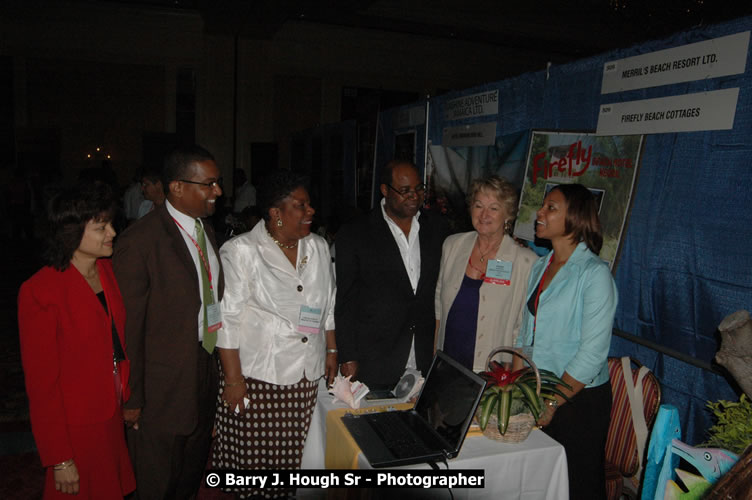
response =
{"points": [[571, 301]]}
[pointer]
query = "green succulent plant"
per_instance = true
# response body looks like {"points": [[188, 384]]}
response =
{"points": [[508, 393]]}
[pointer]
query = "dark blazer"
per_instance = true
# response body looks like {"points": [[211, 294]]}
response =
{"points": [[160, 287], [376, 312], [66, 348]]}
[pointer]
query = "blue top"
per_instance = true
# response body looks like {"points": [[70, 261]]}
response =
{"points": [[575, 318], [462, 322]]}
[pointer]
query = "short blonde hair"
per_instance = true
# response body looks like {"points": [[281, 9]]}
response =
{"points": [[500, 188]]}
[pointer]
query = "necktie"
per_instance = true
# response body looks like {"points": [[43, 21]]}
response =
{"points": [[210, 338]]}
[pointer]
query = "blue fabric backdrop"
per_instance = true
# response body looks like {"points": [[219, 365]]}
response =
{"points": [[686, 260]]}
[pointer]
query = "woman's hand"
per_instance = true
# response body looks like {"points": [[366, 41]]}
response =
{"points": [[330, 367], [66, 478], [233, 395], [547, 415]]}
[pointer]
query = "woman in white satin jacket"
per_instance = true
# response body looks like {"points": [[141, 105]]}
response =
{"points": [[277, 336]]}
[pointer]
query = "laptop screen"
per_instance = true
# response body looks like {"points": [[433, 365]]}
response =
{"points": [[448, 398]]}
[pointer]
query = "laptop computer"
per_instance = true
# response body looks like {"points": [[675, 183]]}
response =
{"points": [[433, 430]]}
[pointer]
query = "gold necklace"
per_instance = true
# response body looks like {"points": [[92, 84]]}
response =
{"points": [[483, 254], [279, 243]]}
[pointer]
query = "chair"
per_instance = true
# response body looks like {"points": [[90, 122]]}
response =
{"points": [[625, 446]]}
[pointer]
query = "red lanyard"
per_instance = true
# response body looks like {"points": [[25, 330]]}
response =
{"points": [[482, 274], [204, 260], [537, 297]]}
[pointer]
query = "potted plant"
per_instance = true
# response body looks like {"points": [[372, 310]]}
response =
{"points": [[515, 396]]}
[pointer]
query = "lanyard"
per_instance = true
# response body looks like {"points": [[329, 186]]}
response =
{"points": [[537, 297], [204, 260]]}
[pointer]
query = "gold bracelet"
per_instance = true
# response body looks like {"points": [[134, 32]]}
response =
{"points": [[63, 465], [233, 384]]}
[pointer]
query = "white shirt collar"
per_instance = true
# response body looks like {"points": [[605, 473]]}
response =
{"points": [[185, 220], [394, 224]]}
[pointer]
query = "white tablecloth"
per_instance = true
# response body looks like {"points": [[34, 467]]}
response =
{"points": [[531, 470]]}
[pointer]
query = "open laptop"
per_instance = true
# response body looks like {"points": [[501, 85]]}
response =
{"points": [[433, 430]]}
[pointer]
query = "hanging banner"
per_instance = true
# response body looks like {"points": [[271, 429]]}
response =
{"points": [[722, 56], [480, 134], [682, 113], [471, 106], [605, 165]]}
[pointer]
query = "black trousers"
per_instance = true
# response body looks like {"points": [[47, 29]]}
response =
{"points": [[581, 426], [169, 465]]}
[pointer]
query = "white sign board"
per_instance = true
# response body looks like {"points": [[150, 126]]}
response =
{"points": [[722, 56], [683, 113], [480, 134], [471, 106], [410, 117]]}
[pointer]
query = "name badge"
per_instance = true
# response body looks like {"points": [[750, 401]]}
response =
{"points": [[498, 272], [213, 317], [309, 320]]}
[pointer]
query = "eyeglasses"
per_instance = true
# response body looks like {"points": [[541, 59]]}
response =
{"points": [[405, 192], [210, 185]]}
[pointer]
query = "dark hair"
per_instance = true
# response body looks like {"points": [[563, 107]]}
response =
{"points": [[582, 222], [68, 214], [277, 186], [152, 175], [388, 170], [179, 162]]}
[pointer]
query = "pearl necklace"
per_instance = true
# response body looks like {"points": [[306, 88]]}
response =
{"points": [[280, 244]]}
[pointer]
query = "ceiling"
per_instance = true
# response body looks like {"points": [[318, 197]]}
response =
{"points": [[558, 31]]}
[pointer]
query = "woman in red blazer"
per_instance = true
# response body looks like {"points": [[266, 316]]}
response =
{"points": [[71, 320]]}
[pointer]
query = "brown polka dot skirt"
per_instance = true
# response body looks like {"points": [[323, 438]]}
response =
{"points": [[270, 435]]}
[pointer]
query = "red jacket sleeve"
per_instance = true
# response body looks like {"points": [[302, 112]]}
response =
{"points": [[38, 326]]}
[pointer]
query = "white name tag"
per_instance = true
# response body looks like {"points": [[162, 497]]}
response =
{"points": [[499, 272], [213, 317], [309, 320]]}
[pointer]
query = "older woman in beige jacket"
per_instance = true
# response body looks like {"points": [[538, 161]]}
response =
{"points": [[481, 288]]}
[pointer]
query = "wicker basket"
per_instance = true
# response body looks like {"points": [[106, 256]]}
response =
{"points": [[521, 424]]}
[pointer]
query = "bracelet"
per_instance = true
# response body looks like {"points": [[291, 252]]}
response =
{"points": [[63, 465], [332, 351], [233, 384]]}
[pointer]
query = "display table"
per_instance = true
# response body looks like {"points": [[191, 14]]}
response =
{"points": [[533, 469]]}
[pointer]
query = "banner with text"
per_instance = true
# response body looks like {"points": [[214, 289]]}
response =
{"points": [[722, 56], [472, 106], [605, 165], [479, 134], [682, 113]]}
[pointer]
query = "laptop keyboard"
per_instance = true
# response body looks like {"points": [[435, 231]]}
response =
{"points": [[397, 436]]}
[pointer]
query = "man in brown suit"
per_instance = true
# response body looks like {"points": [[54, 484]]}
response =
{"points": [[171, 280]]}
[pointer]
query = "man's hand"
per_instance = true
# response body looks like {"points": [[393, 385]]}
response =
{"points": [[349, 368], [131, 416]]}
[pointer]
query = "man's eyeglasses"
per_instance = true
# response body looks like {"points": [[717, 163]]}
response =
{"points": [[405, 192], [210, 185]]}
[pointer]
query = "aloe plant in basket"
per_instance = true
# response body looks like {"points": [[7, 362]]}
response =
{"points": [[509, 393]]}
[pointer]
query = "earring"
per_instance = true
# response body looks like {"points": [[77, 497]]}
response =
{"points": [[507, 226], [279, 222]]}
